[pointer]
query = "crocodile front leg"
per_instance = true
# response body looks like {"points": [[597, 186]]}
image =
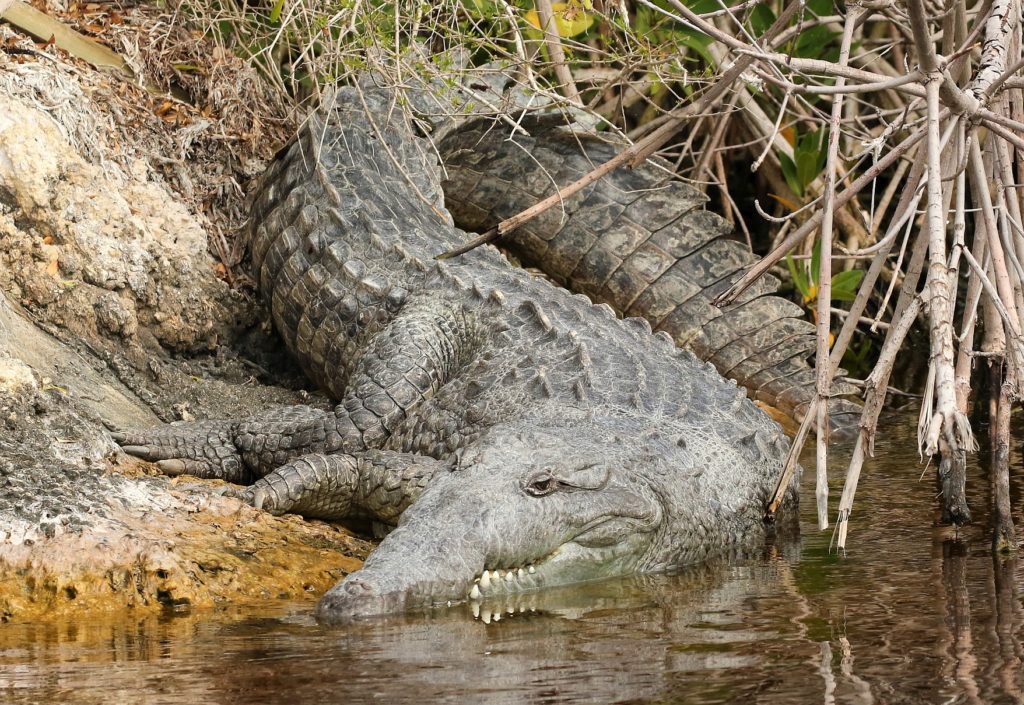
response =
{"points": [[375, 485], [427, 343], [240, 451]]}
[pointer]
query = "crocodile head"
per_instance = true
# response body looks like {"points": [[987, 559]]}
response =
{"points": [[533, 506]]}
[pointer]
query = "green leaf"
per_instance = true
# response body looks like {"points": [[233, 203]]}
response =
{"points": [[642, 21], [480, 9], [806, 163], [821, 8], [699, 43], [275, 11], [815, 263], [822, 149], [799, 280], [761, 18], [844, 285], [789, 171], [809, 155], [813, 43]]}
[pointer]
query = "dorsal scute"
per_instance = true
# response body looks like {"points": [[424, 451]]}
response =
{"points": [[533, 309], [639, 325]]}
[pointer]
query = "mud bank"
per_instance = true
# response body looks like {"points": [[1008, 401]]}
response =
{"points": [[114, 314]]}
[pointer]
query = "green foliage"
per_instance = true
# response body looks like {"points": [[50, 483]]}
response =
{"points": [[800, 280], [844, 284], [761, 18], [860, 357], [809, 154], [275, 12]]}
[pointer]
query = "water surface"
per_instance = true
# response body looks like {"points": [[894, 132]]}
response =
{"points": [[913, 613]]}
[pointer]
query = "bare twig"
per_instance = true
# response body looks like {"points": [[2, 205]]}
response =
{"points": [[553, 41], [876, 385], [823, 371]]}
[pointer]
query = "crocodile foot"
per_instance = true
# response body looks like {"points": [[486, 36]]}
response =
{"points": [[204, 449], [256, 497], [316, 486]]}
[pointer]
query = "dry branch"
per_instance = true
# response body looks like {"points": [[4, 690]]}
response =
{"points": [[566, 83], [823, 370]]}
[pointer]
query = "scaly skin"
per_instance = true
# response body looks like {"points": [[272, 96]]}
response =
{"points": [[641, 243], [505, 424]]}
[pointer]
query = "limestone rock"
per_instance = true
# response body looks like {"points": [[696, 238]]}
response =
{"points": [[112, 315]]}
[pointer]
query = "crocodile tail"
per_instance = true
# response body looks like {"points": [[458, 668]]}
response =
{"points": [[642, 242]]}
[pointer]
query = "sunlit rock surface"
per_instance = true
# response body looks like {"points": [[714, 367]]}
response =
{"points": [[112, 315]]}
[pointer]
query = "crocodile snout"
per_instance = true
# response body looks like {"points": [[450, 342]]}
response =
{"points": [[354, 599]]}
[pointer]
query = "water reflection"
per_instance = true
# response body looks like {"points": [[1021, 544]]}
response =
{"points": [[913, 614]]}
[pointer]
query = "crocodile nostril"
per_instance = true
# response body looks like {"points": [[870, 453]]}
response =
{"points": [[358, 588]]}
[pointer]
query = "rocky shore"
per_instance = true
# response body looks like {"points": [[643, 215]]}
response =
{"points": [[115, 314]]}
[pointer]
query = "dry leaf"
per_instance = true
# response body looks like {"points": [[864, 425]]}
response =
{"points": [[785, 201]]}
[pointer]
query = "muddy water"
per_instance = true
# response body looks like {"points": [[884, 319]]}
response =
{"points": [[913, 613]]}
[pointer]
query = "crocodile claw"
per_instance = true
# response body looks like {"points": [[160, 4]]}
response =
{"points": [[167, 467], [257, 498]]}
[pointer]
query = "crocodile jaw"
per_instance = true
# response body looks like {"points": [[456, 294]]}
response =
{"points": [[386, 587]]}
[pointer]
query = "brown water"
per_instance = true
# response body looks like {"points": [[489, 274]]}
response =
{"points": [[912, 614]]}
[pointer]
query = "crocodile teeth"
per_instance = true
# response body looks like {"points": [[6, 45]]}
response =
{"points": [[476, 610], [490, 577], [497, 616], [485, 616], [474, 594]]}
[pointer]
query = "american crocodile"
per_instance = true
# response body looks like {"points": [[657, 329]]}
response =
{"points": [[643, 243], [518, 435]]}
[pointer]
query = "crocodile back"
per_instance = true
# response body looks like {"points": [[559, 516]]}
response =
{"points": [[642, 242]]}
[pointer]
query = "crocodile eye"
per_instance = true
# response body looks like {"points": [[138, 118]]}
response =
{"points": [[541, 485]]}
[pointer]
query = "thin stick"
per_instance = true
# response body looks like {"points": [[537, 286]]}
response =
{"points": [[517, 36], [1006, 135], [823, 377], [566, 83], [997, 302], [711, 146], [964, 361], [874, 398], [1004, 535], [768, 143], [1003, 285]]}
